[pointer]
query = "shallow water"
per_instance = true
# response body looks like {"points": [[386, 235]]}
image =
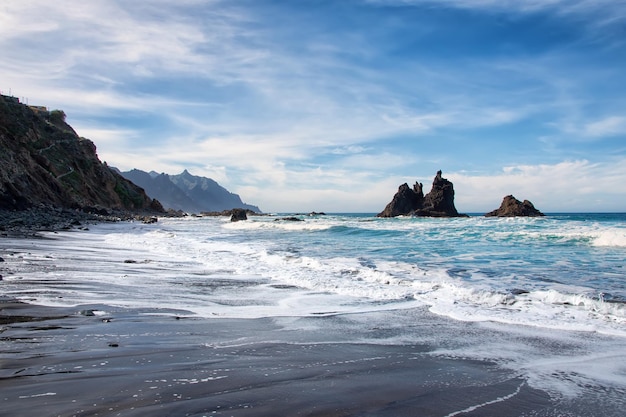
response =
{"points": [[543, 297]]}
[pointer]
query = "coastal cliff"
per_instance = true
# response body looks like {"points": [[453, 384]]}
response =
{"points": [[45, 164]]}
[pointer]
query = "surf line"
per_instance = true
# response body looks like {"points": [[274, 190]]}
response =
{"points": [[37, 395], [497, 400]]}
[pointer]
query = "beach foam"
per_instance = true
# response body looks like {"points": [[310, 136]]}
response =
{"points": [[213, 268]]}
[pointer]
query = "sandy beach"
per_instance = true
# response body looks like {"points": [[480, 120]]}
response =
{"points": [[61, 362]]}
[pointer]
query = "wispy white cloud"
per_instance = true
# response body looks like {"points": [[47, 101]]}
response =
{"points": [[617, 10], [351, 192], [580, 128], [75, 44], [148, 41], [607, 126], [354, 149], [110, 138]]}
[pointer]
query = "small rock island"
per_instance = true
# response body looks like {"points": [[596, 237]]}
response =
{"points": [[512, 207], [439, 202]]}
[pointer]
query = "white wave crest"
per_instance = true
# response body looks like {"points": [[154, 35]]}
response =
{"points": [[610, 237], [277, 224]]}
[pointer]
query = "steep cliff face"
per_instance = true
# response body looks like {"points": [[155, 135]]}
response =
{"points": [[44, 161]]}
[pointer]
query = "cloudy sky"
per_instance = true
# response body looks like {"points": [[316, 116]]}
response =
{"points": [[330, 105]]}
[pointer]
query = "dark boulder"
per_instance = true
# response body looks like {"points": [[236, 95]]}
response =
{"points": [[238, 214], [439, 202], [512, 207]]}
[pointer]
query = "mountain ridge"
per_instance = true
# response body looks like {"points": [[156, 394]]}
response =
{"points": [[187, 192]]}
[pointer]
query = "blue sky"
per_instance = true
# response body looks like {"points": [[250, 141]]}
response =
{"points": [[331, 105]]}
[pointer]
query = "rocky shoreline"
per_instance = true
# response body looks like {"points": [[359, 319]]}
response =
{"points": [[27, 223]]}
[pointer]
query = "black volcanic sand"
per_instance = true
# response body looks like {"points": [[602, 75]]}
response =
{"points": [[66, 362]]}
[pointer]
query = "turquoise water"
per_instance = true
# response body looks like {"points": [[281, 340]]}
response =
{"points": [[564, 262], [563, 271]]}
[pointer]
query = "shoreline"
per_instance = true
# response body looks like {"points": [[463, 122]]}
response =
{"points": [[57, 361], [94, 355], [30, 222]]}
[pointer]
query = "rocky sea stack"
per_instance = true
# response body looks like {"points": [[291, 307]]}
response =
{"points": [[439, 202], [45, 165], [512, 207]]}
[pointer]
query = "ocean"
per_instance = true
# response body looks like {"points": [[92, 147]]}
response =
{"points": [[542, 298]]}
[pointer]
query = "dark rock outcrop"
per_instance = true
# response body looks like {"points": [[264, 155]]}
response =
{"points": [[238, 214], [439, 202], [289, 219], [228, 213], [405, 201], [22, 223], [512, 207], [43, 162]]}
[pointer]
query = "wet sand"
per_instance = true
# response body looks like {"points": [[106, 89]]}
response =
{"points": [[66, 362]]}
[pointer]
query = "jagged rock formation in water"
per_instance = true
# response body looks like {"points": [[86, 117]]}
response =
{"points": [[187, 192], [405, 201], [512, 207], [439, 202], [44, 163]]}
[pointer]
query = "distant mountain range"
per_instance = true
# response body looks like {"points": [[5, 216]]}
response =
{"points": [[186, 192]]}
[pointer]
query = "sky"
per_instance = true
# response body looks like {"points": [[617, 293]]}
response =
{"points": [[330, 105]]}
